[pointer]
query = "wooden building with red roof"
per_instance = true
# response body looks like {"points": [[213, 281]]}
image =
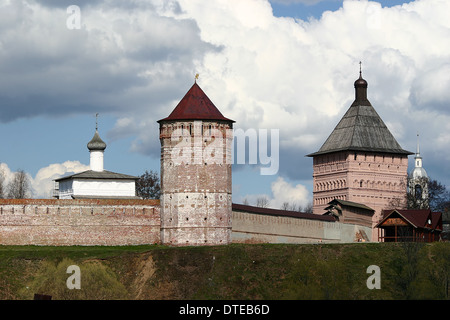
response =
{"points": [[410, 225]]}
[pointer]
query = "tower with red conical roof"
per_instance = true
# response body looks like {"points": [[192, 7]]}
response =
{"points": [[196, 141]]}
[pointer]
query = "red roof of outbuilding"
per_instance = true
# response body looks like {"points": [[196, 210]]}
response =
{"points": [[195, 105], [417, 218]]}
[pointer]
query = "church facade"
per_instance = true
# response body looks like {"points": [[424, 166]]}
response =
{"points": [[97, 182]]}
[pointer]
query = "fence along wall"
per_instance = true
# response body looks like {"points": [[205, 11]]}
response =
{"points": [[79, 222]]}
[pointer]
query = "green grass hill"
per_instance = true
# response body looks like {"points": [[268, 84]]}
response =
{"points": [[244, 272]]}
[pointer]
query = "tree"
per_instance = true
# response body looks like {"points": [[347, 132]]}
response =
{"points": [[2, 185], [438, 196], [294, 207], [19, 187], [262, 202], [148, 185]]}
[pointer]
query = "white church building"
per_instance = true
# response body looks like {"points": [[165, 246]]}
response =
{"points": [[97, 182]]}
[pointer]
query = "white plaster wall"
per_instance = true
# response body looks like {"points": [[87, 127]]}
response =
{"points": [[104, 187], [96, 160]]}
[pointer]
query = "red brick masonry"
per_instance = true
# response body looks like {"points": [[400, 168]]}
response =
{"points": [[79, 222]]}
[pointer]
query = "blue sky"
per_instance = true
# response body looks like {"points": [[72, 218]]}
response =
{"points": [[273, 65], [306, 9]]}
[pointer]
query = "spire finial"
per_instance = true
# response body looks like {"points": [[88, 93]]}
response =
{"points": [[96, 121], [196, 77], [360, 69], [418, 148]]}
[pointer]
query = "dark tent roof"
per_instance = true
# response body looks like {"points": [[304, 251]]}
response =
{"points": [[361, 129]]}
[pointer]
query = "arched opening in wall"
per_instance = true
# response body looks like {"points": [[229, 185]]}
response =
{"points": [[418, 191]]}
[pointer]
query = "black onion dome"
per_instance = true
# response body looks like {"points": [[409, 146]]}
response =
{"points": [[360, 83]]}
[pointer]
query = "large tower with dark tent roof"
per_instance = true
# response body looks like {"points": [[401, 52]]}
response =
{"points": [[360, 161], [196, 141]]}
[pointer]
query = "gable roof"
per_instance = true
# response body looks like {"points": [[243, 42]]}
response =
{"points": [[195, 105], [361, 129], [90, 174], [417, 218]]}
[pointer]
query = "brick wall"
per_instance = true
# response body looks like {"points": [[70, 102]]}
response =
{"points": [[79, 222], [196, 191]]}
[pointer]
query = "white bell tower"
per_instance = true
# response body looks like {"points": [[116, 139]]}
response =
{"points": [[96, 148]]}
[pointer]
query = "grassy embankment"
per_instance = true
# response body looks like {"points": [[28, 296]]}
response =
{"points": [[268, 271]]}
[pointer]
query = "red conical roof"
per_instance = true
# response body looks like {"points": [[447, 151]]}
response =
{"points": [[195, 105]]}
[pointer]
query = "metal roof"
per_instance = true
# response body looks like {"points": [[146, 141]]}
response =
{"points": [[96, 143], [90, 174], [282, 213], [361, 129], [195, 105], [348, 204]]}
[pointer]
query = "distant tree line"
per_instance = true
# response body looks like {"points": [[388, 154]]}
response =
{"points": [[264, 202]]}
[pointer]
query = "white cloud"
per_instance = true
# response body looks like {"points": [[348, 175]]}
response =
{"points": [[137, 59], [6, 174], [298, 75], [42, 184], [283, 191], [307, 2]]}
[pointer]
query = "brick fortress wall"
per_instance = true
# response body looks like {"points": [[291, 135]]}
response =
{"points": [[79, 222]]}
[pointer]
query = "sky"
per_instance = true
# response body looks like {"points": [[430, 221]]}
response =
{"points": [[286, 65]]}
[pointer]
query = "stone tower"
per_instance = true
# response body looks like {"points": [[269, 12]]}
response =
{"points": [[360, 161], [196, 141]]}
